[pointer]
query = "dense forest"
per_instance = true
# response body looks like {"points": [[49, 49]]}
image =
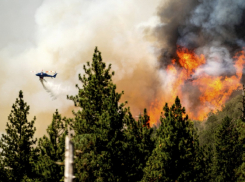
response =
{"points": [[111, 145]]}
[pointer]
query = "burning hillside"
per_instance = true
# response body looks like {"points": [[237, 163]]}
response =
{"points": [[200, 47], [199, 91]]}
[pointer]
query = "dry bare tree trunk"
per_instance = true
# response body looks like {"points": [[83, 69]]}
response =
{"points": [[69, 159]]}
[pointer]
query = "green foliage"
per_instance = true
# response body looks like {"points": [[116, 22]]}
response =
{"points": [[98, 126], [110, 145], [207, 130], [3, 173], [17, 144], [51, 150], [139, 145], [177, 156], [202, 161], [240, 172], [27, 179], [227, 156]]}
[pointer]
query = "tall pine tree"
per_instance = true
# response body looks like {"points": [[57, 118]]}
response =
{"points": [[176, 153], [49, 165], [227, 156], [17, 144], [202, 161], [98, 125], [240, 173], [140, 144]]}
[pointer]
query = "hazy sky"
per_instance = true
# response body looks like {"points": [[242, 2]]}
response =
{"points": [[61, 35], [18, 27]]}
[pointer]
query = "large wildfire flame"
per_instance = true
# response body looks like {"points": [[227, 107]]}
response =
{"points": [[214, 91]]}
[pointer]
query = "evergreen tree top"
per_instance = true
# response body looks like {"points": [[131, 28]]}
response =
{"points": [[52, 150], [21, 94], [175, 147], [17, 143], [176, 111], [98, 125], [96, 84], [97, 95]]}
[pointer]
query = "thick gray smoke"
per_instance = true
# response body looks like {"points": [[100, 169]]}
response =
{"points": [[209, 26], [213, 28], [173, 16], [219, 21], [61, 35]]}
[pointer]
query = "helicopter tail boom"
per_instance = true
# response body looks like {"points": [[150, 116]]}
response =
{"points": [[55, 75]]}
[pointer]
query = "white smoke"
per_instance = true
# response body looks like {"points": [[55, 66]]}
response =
{"points": [[62, 36], [218, 62]]}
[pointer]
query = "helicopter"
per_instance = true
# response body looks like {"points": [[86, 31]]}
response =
{"points": [[44, 74]]}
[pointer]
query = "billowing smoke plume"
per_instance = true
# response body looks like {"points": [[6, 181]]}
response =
{"points": [[61, 35], [213, 28]]}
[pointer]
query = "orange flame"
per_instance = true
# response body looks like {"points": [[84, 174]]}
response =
{"points": [[189, 60], [214, 90]]}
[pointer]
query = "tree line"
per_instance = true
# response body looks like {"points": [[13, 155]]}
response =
{"points": [[110, 145]]}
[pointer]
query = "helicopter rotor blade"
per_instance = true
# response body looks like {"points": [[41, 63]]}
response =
{"points": [[49, 71]]}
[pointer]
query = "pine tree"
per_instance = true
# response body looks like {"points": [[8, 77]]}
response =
{"points": [[175, 155], [227, 156], [241, 125], [98, 125], [17, 144], [139, 145], [50, 165], [241, 169], [202, 161]]}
